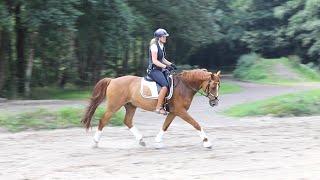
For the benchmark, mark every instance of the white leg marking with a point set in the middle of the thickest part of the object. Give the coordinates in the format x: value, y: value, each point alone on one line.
x: 136, y: 133
x: 96, y: 138
x: 203, y: 136
x: 159, y: 136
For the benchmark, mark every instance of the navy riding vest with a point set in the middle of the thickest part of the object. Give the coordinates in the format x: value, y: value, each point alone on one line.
x: 160, y: 56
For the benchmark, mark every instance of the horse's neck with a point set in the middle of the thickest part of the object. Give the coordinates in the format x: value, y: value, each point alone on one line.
x: 192, y: 87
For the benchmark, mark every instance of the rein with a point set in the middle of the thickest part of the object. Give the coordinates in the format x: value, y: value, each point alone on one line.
x: 207, y: 89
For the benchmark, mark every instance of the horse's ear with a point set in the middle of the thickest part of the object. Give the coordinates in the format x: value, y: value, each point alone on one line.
x: 218, y: 73
x: 212, y: 75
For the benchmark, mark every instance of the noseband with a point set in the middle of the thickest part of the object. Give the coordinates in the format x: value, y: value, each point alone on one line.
x: 207, y: 90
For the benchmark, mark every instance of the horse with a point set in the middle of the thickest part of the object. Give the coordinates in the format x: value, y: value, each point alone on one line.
x: 125, y: 91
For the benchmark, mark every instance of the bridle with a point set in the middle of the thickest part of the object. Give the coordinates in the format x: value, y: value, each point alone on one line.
x: 206, y: 91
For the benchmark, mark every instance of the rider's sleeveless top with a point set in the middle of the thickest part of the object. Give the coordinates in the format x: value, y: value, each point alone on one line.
x: 161, y: 54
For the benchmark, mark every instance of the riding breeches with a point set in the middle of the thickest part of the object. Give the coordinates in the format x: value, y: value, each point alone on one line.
x: 159, y: 77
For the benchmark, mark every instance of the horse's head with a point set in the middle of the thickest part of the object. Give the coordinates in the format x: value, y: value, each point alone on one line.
x: 211, y: 88
x: 203, y: 79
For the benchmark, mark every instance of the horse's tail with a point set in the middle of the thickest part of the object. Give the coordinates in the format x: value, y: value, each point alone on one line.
x: 98, y: 95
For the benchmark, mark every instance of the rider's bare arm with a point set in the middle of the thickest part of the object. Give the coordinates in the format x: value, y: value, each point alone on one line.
x: 154, y: 55
x: 165, y: 61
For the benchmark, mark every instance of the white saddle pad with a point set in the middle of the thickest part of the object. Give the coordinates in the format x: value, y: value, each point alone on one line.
x: 150, y: 89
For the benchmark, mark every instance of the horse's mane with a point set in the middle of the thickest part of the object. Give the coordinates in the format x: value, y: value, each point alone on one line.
x: 195, y: 75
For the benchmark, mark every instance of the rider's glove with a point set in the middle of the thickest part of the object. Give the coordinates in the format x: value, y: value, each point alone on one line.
x: 169, y: 68
x: 174, y: 67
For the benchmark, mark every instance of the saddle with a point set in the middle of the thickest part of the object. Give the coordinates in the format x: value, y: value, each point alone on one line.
x: 150, y: 89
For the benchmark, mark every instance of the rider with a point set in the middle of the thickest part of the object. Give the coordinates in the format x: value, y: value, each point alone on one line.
x: 158, y: 64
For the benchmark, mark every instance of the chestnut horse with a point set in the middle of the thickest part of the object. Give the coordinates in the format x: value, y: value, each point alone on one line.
x: 125, y: 91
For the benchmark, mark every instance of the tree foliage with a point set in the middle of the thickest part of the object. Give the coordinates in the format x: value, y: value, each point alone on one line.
x: 79, y: 41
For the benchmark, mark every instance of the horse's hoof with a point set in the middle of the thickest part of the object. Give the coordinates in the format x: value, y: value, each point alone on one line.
x: 158, y: 139
x: 142, y: 143
x: 159, y: 145
x: 207, y: 144
x: 94, y: 145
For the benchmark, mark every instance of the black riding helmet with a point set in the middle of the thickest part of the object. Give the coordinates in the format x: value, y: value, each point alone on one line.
x: 160, y: 32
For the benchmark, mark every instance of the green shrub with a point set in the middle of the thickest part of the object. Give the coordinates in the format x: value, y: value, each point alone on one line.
x: 297, y: 104
x: 309, y: 72
x: 62, y: 118
x: 58, y: 93
x: 252, y: 67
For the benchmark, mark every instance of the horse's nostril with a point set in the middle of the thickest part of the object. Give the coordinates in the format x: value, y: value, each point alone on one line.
x: 213, y: 102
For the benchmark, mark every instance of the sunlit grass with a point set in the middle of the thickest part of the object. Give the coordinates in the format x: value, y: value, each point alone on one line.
x: 58, y: 93
x: 297, y: 104
x: 254, y: 68
x: 306, y: 72
x: 228, y: 88
x: 225, y: 88
x: 85, y: 93
x: 45, y: 119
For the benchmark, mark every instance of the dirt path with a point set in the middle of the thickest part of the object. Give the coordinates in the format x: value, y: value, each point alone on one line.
x: 256, y: 148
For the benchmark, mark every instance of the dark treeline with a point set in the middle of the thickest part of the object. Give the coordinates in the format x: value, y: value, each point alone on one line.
x: 56, y: 42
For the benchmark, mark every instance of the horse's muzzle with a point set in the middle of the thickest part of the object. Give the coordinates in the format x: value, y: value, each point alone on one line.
x: 214, y: 102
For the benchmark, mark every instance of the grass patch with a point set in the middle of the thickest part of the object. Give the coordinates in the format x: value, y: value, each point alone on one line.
x: 45, y: 119
x: 307, y: 73
x: 298, y: 104
x: 227, y: 88
x: 58, y: 93
x: 85, y: 93
x: 252, y: 67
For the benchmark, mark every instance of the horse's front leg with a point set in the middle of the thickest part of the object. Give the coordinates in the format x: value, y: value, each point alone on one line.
x: 185, y: 116
x: 164, y: 127
x: 130, y: 111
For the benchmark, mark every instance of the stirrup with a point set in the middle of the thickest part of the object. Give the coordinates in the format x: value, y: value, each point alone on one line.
x: 161, y: 111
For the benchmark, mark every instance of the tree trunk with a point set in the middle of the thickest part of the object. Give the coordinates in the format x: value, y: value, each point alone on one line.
x: 12, y: 79
x: 80, y: 54
x: 99, y: 66
x: 20, y: 35
x: 2, y: 62
x: 29, y: 66
x: 117, y: 56
x: 125, y: 59
x: 135, y: 57
x: 93, y: 60
x: 143, y: 59
x: 62, y: 79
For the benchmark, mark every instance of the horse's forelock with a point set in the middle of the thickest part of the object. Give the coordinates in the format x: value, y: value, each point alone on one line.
x: 215, y: 77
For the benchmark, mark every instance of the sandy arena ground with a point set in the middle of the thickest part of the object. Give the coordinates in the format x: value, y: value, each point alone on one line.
x: 251, y: 148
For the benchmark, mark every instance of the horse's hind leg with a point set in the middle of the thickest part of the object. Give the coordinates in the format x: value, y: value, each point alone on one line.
x: 130, y: 111
x: 104, y: 121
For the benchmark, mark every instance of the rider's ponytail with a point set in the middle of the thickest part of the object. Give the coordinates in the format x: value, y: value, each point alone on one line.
x: 153, y: 41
